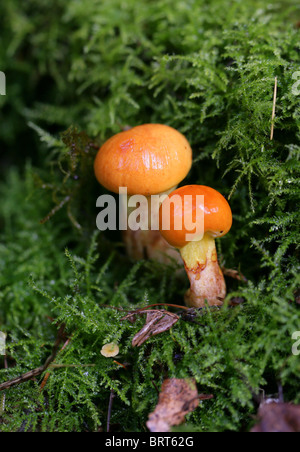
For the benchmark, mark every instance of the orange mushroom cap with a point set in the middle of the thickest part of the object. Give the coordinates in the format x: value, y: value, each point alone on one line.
x: 147, y: 160
x: 216, y: 210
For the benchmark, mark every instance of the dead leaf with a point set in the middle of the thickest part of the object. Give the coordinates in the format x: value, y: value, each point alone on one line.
x: 157, y: 321
x: 236, y: 301
x: 278, y: 418
x: 190, y: 316
x: 177, y: 398
x: 235, y: 274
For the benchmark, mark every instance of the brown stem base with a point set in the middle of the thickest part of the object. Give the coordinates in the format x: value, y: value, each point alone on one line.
x: 207, y: 285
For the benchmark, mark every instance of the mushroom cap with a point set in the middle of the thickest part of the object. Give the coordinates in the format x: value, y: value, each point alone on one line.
x: 110, y: 350
x: 147, y: 160
x: 216, y: 210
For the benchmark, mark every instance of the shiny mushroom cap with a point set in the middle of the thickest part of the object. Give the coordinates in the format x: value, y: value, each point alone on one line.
x: 147, y: 160
x: 211, y: 206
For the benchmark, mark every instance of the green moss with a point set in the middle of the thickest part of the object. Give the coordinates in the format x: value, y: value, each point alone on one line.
x: 89, y: 68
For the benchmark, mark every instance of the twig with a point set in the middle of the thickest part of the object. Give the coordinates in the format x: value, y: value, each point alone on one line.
x: 48, y: 373
x: 120, y: 364
x: 274, y: 108
x: 162, y: 304
x: 111, y: 398
x: 145, y: 307
x: 199, y: 397
x: 155, y: 386
x: 153, y: 311
x: 205, y: 396
x: 55, y: 209
x: 39, y: 370
x: 3, y: 398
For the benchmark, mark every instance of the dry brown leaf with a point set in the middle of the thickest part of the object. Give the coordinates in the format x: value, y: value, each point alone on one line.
x: 177, y: 398
x: 157, y: 321
x: 236, y: 301
x: 278, y: 418
x: 235, y: 274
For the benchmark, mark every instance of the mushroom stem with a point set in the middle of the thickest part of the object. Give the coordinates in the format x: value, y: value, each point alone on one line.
x: 203, y: 270
x: 147, y: 242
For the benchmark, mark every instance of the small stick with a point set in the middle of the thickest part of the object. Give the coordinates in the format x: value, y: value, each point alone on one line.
x: 163, y: 304
x: 22, y: 378
x: 55, y: 209
x: 162, y: 313
x: 43, y: 384
x: 3, y: 398
x: 145, y: 307
x: 205, y: 396
x: 111, y: 398
x: 39, y: 370
x: 120, y: 364
x: 274, y: 108
x: 155, y: 386
x: 45, y: 379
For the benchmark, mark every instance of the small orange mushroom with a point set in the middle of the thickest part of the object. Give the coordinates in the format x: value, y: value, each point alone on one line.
x: 151, y: 159
x: 213, y: 213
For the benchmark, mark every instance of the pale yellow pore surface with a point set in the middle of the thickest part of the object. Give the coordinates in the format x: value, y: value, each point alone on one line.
x: 196, y: 254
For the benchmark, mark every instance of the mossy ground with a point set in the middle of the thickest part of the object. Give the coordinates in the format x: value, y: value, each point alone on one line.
x: 90, y: 68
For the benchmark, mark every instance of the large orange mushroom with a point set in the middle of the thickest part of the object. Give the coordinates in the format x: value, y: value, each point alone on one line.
x: 209, y: 216
x: 151, y: 159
